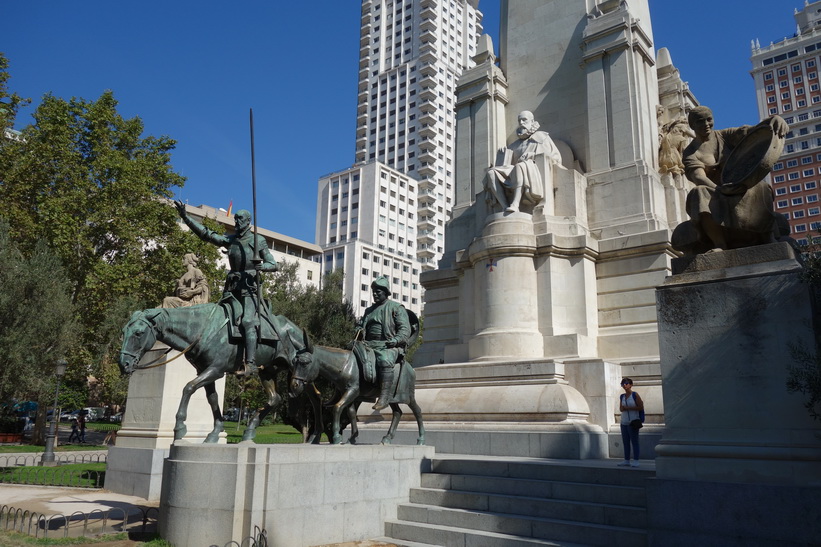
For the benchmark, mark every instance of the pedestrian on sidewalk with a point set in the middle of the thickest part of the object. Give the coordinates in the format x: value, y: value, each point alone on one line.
x: 82, y: 421
x: 632, y: 411
x: 75, y: 431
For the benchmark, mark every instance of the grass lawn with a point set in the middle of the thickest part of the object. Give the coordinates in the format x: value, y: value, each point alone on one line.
x: 82, y: 475
x: 266, y: 434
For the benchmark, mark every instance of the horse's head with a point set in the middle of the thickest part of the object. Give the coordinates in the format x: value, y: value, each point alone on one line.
x: 303, y: 369
x: 139, y: 336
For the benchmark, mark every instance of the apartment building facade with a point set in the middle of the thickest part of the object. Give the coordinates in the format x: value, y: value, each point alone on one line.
x: 787, y: 83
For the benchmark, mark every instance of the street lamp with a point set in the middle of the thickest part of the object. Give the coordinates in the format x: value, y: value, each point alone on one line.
x: 48, y: 456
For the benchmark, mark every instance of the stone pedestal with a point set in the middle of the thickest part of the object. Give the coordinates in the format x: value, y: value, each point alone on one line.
x: 734, y: 436
x: 300, y: 494
x: 725, y: 326
x: 135, y: 462
x: 528, y: 408
x: 504, y: 289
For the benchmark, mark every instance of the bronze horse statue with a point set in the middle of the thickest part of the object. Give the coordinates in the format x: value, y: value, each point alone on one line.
x: 201, y: 332
x: 340, y: 368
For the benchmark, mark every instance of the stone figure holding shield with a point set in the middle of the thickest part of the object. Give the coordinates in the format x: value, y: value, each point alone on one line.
x: 731, y: 205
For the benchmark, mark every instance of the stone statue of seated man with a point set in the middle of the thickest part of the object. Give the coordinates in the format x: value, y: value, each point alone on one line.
x: 517, y: 178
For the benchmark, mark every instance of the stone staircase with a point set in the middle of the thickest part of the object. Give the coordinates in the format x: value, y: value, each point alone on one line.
x: 472, y: 501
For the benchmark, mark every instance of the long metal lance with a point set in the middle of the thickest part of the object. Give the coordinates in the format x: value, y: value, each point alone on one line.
x: 256, y: 258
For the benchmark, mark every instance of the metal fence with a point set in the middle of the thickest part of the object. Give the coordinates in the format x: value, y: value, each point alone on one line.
x: 134, y: 520
x: 259, y: 539
x: 20, y: 460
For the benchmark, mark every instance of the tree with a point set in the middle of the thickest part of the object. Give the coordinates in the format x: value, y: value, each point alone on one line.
x: 323, y: 311
x: 38, y: 322
x: 86, y: 181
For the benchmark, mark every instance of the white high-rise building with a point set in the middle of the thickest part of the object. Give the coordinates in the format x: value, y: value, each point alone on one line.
x: 412, y: 53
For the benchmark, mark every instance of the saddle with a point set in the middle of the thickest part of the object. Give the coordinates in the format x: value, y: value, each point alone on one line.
x: 268, y: 332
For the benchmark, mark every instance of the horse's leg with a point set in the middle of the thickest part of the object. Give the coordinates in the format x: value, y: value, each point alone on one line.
x: 273, y: 402
x: 417, y: 413
x: 352, y: 409
x: 316, y: 405
x: 346, y: 399
x: 397, y: 415
x: 209, y: 376
x: 214, y: 400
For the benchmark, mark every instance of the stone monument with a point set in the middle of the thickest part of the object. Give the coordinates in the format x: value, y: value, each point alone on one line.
x: 534, y: 314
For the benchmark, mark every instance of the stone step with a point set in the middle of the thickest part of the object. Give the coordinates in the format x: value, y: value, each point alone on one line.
x: 463, y: 528
x: 449, y: 536
x: 577, y: 511
x: 549, y: 470
x: 634, y: 496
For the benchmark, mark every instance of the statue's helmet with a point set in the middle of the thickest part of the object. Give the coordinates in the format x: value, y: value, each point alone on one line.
x: 382, y: 283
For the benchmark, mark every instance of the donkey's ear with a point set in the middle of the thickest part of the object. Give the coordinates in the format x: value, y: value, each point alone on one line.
x: 306, y: 340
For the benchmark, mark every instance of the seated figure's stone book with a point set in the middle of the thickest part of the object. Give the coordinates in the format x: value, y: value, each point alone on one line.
x: 504, y: 157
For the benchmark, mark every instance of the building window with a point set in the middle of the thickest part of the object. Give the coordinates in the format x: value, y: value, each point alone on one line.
x: 809, y: 185
x: 782, y: 203
x: 797, y: 201
x: 812, y: 198
x: 780, y: 191
x: 800, y: 227
x: 813, y: 211
x: 795, y: 188
x: 798, y: 214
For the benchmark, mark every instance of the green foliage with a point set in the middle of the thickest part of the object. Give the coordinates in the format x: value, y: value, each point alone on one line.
x: 805, y: 378
x: 804, y: 375
x: 38, y: 322
x: 323, y: 312
x: 90, y: 184
x: 9, y: 102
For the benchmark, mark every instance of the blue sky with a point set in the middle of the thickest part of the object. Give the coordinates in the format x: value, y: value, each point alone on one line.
x: 191, y: 70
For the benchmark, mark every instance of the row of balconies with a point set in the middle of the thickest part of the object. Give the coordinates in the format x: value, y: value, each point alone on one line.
x: 427, y: 183
x: 426, y: 223
x: 426, y: 237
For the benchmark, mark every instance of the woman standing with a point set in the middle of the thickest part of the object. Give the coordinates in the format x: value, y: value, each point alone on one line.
x: 630, y: 405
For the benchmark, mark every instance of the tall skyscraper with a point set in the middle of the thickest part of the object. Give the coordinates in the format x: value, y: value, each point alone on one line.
x: 394, y: 201
x: 787, y: 84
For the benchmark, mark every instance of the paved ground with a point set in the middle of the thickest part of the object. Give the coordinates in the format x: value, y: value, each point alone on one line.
x: 53, y: 500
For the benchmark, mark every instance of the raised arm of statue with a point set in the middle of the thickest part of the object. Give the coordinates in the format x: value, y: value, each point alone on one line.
x: 202, y: 232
